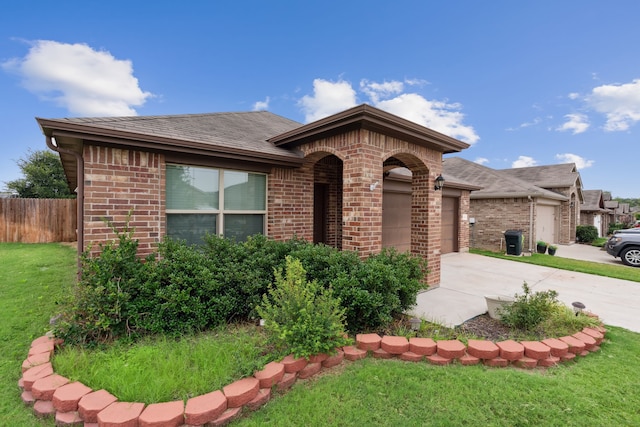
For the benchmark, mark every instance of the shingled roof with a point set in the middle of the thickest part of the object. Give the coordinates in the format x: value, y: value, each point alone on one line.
x: 549, y: 176
x: 494, y: 183
x: 593, y: 201
x: 240, y: 134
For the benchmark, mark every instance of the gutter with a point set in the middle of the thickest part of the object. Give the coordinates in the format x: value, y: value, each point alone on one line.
x: 79, y: 198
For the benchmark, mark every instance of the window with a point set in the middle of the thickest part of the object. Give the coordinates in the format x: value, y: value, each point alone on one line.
x: 205, y: 200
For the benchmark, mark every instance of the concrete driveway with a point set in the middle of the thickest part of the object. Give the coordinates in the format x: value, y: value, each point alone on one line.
x: 466, y: 278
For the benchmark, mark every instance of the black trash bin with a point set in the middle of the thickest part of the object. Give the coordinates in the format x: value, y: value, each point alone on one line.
x: 513, y: 239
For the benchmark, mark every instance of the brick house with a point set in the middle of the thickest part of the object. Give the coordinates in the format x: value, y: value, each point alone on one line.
x: 543, y: 202
x: 237, y: 174
x: 593, y: 211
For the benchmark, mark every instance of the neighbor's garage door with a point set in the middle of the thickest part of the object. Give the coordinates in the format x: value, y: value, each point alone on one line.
x: 449, y: 225
x: 546, y: 223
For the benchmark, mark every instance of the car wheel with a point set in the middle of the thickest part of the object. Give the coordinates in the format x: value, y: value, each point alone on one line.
x: 631, y: 257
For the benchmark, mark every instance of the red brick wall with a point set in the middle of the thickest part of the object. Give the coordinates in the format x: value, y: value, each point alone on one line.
x: 363, y: 155
x: 118, y: 182
x: 494, y: 217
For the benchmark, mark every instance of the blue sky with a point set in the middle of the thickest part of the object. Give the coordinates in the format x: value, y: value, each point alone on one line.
x: 525, y: 82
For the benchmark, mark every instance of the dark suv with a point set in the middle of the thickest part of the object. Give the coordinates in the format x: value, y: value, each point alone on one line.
x: 626, y: 245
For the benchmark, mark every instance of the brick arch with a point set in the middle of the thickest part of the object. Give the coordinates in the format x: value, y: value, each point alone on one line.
x: 426, y: 204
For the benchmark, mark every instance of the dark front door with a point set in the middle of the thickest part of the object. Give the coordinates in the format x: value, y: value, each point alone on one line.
x: 320, y: 204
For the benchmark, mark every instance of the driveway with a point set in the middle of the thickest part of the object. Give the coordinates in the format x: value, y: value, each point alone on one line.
x: 466, y: 278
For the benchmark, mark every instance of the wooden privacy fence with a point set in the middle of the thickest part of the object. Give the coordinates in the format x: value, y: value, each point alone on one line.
x: 38, y: 220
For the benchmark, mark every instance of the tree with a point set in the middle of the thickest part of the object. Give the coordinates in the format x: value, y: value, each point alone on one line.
x: 43, y: 177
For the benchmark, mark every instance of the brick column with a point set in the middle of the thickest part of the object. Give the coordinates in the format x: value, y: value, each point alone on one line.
x: 362, y: 205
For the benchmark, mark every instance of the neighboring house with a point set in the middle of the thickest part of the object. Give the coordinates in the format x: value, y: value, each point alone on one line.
x: 593, y: 211
x: 236, y: 174
x: 525, y: 199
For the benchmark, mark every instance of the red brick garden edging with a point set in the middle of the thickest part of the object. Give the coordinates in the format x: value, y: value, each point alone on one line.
x: 74, y: 404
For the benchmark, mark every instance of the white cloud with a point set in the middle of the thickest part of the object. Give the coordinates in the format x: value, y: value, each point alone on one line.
x: 85, y: 81
x: 573, y: 95
x: 577, y: 123
x: 261, y: 105
x: 580, y: 162
x: 375, y: 91
x: 619, y: 103
x: 481, y: 160
x: 534, y: 122
x: 523, y: 162
x: 328, y: 98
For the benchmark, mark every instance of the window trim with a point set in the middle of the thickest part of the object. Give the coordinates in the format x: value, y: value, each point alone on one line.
x: 221, y: 211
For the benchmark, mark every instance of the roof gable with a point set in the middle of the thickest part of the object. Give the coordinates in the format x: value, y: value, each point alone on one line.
x: 367, y: 117
x: 593, y: 200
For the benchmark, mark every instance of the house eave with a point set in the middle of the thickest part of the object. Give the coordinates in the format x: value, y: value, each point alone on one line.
x: 123, y: 139
x: 517, y: 195
x: 373, y: 119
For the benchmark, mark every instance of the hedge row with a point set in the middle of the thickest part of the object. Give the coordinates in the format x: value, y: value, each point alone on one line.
x: 182, y: 289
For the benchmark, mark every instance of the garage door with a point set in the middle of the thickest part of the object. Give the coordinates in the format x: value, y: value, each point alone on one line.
x: 449, y: 225
x: 546, y: 223
x: 396, y: 220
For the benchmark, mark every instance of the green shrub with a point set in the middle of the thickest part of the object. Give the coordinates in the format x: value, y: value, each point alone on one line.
x: 104, y: 304
x: 300, y: 316
x: 373, y: 291
x: 183, y: 289
x: 529, y: 309
x: 586, y: 233
x: 615, y: 226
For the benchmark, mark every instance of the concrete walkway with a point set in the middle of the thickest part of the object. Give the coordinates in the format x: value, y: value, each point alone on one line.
x: 466, y: 278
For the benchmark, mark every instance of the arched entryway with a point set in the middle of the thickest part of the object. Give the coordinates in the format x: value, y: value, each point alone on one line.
x: 327, y: 200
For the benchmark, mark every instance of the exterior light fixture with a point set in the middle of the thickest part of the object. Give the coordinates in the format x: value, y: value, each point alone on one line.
x: 374, y: 186
x: 439, y: 183
x: 415, y: 323
x: 572, y: 204
x: 578, y: 307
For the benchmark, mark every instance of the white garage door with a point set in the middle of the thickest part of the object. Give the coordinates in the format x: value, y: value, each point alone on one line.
x: 546, y: 223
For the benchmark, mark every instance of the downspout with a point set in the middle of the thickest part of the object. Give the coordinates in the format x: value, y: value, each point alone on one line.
x: 530, y: 224
x: 79, y: 198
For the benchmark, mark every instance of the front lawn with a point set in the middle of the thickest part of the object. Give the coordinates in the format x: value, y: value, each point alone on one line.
x: 608, y: 270
x: 600, y: 389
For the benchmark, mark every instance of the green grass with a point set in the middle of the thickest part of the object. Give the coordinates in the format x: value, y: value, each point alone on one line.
x: 600, y: 389
x: 33, y: 278
x: 162, y: 369
x: 614, y: 271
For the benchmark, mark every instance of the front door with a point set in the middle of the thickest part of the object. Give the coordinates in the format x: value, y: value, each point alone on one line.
x: 320, y: 204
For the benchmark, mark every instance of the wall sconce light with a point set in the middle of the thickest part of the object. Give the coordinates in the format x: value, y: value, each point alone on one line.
x: 578, y: 307
x: 374, y: 186
x: 439, y: 183
x: 572, y: 204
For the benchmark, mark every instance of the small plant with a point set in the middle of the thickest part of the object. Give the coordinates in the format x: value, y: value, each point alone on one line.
x: 529, y: 309
x: 541, y: 246
x: 301, y: 317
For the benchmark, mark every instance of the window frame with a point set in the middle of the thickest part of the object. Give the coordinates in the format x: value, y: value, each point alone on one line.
x: 220, y: 212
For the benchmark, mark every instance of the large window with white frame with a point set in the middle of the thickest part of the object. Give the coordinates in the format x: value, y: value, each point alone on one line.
x: 202, y: 200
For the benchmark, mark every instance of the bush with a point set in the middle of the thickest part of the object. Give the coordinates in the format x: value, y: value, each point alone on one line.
x: 529, y: 309
x: 183, y: 289
x: 615, y: 226
x: 586, y: 233
x: 104, y: 305
x: 300, y: 316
